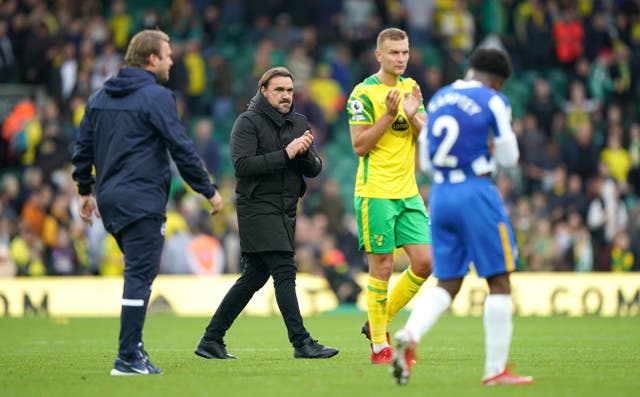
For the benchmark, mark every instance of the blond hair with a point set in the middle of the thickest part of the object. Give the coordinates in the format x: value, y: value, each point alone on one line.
x: 142, y: 45
x: 391, y: 34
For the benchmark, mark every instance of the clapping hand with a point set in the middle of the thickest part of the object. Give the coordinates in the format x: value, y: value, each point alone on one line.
x: 412, y: 102
x: 299, y: 145
x: 392, y: 101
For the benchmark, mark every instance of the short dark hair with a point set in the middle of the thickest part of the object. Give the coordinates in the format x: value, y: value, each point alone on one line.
x: 273, y: 72
x: 142, y: 45
x: 491, y: 60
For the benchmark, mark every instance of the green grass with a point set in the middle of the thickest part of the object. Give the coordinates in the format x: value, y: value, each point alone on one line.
x: 587, y: 356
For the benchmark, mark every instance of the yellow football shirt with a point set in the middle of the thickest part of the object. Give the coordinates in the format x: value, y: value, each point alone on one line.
x: 388, y: 170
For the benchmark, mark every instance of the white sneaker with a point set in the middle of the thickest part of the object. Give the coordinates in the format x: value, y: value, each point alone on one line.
x: 404, y: 356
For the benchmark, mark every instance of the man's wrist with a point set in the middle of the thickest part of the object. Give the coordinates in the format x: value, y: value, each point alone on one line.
x: 84, y: 190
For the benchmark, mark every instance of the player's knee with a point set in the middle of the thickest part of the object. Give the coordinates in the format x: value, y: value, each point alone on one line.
x: 422, y: 266
x: 499, y: 284
x: 451, y: 286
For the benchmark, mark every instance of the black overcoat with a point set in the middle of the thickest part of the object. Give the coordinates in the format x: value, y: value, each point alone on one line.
x: 269, y: 185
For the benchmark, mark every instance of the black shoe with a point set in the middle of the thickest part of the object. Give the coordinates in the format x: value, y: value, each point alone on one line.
x: 212, y: 349
x: 366, y: 331
x: 310, y: 348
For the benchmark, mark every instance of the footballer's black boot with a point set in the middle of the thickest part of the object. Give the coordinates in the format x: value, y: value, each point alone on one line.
x: 212, y: 349
x: 310, y: 348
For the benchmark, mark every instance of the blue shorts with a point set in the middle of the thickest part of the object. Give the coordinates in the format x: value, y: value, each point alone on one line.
x: 469, y: 224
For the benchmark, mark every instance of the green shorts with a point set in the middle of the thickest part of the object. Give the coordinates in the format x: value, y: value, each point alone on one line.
x: 384, y: 224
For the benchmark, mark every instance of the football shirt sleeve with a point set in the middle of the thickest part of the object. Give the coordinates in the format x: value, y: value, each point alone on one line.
x: 505, y: 143
x: 360, y: 108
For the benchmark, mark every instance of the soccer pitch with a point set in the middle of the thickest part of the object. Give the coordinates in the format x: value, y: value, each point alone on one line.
x: 568, y: 356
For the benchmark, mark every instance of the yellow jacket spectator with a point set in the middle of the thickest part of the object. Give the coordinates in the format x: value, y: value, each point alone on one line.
x: 327, y: 93
x: 615, y: 156
x: 57, y: 217
x: 196, y: 69
x: 26, y: 252
x: 120, y: 24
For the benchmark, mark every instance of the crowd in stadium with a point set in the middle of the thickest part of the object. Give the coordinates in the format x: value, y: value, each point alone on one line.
x: 575, y: 96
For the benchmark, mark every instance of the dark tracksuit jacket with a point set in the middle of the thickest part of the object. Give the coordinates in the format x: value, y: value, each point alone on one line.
x: 128, y: 131
x: 129, y: 128
x: 268, y: 183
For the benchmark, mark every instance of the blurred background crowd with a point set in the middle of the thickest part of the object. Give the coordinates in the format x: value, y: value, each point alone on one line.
x: 575, y: 97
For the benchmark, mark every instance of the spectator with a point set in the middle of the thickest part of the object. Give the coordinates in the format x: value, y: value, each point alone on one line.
x: 196, y: 77
x: 615, y: 156
x: 601, y: 84
x: 121, y: 24
x: 9, y: 197
x: 340, y: 68
x: 579, y: 108
x: 306, y: 105
x: 7, y: 57
x: 221, y: 79
x: 8, y: 268
x: 568, y: 35
x: 27, y: 252
x: 63, y: 257
x: 596, y: 34
x: 68, y: 72
x: 420, y: 16
x: 581, y: 249
x: 338, y: 273
x: 634, y: 156
x: 579, y: 152
x: 331, y: 206
x: 622, y: 258
x: 106, y: 65
x: 457, y: 27
x: 533, y: 31
x: 326, y: 92
x: 543, y: 106
x: 606, y: 216
x: 207, y: 145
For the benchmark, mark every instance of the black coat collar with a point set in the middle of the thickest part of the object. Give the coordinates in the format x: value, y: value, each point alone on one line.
x: 260, y: 105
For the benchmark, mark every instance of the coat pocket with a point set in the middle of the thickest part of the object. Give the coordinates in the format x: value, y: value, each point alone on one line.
x: 247, y: 188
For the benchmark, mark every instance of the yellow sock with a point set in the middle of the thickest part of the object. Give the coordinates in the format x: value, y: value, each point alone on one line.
x: 377, y: 309
x: 406, y: 288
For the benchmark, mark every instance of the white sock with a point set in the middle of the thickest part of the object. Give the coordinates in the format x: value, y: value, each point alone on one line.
x: 428, y: 308
x: 497, y: 333
x: 378, y: 348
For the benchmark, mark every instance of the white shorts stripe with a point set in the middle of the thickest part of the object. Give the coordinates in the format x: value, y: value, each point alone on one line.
x: 133, y: 302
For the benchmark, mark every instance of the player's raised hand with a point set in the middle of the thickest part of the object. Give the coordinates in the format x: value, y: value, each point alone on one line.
x: 392, y: 101
x: 412, y: 101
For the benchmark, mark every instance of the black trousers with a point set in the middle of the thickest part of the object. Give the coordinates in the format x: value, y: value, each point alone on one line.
x: 141, y: 242
x: 257, y: 267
